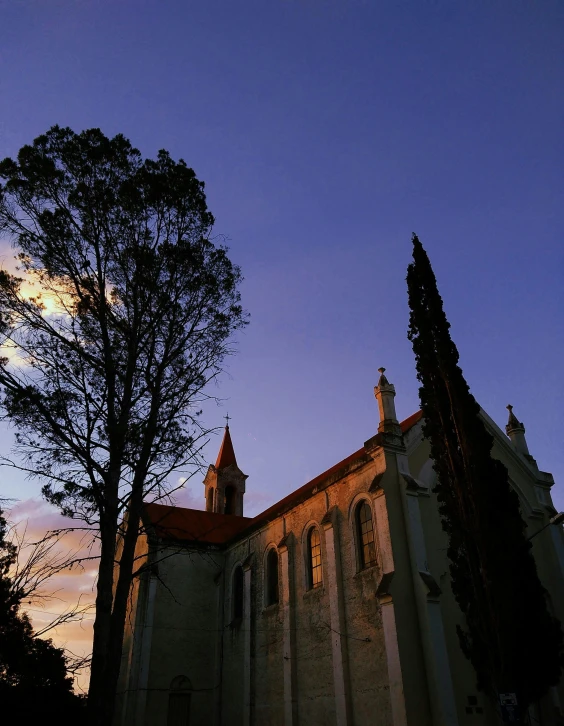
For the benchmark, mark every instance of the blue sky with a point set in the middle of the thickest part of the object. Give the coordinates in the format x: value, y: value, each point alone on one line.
x: 327, y: 131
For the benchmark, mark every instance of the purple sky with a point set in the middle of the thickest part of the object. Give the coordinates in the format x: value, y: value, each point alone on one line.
x: 327, y: 131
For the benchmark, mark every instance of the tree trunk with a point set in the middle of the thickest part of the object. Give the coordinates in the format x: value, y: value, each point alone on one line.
x: 105, y: 686
x: 102, y: 625
x: 119, y: 612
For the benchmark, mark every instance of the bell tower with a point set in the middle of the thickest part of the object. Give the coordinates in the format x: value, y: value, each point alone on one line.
x: 225, y: 482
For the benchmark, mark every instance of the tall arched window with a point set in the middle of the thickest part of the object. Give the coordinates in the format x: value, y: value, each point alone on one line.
x: 272, y: 577
x: 238, y: 593
x: 314, y: 557
x: 230, y: 494
x: 209, y: 506
x: 179, y: 702
x: 365, y: 533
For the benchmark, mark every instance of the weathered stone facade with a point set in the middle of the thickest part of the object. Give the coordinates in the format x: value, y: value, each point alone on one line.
x: 211, y: 644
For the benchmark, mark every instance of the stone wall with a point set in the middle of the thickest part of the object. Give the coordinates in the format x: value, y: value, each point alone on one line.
x: 375, y: 645
x: 303, y: 679
x: 182, y: 628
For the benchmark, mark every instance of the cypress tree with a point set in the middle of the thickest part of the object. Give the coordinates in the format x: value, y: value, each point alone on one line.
x: 512, y: 641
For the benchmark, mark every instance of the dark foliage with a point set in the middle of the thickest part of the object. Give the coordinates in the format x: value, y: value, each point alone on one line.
x: 132, y: 320
x: 34, y: 683
x: 512, y: 641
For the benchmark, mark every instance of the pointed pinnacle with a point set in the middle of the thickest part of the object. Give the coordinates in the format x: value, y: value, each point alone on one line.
x: 513, y: 422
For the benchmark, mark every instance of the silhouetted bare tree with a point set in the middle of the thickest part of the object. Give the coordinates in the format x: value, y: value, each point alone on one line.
x: 113, y: 356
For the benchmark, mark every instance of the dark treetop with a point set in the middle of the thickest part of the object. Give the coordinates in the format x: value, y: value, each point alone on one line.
x: 513, y: 642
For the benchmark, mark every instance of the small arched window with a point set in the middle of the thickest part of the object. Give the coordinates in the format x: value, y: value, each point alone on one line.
x: 179, y: 702
x: 230, y: 500
x: 272, y: 577
x: 314, y: 557
x: 209, y: 506
x: 365, y: 533
x: 238, y: 593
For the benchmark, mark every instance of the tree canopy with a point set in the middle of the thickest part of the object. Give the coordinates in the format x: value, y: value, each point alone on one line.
x: 511, y: 639
x: 113, y: 355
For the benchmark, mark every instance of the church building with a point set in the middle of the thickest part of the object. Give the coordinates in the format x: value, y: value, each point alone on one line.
x: 332, y: 607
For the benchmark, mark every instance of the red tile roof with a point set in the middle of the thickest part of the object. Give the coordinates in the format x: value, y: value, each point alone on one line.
x: 305, y: 491
x: 410, y: 422
x: 194, y: 525
x: 226, y: 454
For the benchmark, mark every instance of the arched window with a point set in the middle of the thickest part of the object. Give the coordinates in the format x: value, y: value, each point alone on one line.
x: 314, y: 557
x: 238, y: 593
x: 272, y: 577
x: 365, y: 533
x: 209, y: 506
x: 179, y: 702
x: 230, y: 493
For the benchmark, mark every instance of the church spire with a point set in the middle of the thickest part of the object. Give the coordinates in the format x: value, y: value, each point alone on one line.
x: 225, y: 482
x: 226, y: 455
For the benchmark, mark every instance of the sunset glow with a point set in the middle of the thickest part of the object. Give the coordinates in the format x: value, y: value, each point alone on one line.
x: 326, y: 133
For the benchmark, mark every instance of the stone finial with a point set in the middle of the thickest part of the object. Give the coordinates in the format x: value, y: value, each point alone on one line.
x: 385, y: 393
x: 513, y: 423
x: 516, y: 432
x: 383, y: 381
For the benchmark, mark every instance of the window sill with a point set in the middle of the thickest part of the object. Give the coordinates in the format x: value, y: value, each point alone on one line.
x: 314, y: 592
x: 371, y: 569
x: 269, y: 609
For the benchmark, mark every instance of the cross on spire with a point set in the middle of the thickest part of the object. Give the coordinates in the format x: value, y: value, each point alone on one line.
x: 227, y: 417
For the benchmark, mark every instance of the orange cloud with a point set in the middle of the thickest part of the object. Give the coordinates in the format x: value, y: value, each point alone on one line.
x: 77, y: 584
